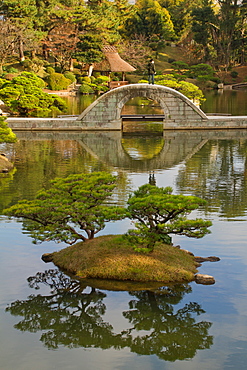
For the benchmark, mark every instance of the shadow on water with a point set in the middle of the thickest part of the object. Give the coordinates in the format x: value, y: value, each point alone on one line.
x: 72, y: 315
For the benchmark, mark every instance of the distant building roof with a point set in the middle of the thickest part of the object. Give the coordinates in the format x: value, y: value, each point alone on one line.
x: 116, y: 63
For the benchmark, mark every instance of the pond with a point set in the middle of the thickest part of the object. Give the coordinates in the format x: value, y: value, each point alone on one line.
x: 50, y: 321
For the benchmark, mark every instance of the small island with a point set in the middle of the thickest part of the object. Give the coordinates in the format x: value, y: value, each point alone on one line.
x: 74, y: 209
x: 113, y: 257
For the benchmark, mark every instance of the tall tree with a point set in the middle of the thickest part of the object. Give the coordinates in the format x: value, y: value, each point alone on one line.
x: 150, y: 19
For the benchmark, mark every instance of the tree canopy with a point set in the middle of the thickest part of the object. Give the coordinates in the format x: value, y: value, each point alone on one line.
x: 159, y: 214
x: 77, y: 207
x: 73, y: 208
x: 213, y: 32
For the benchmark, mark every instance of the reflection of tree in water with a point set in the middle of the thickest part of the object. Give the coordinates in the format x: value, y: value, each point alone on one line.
x: 217, y: 173
x: 72, y: 316
x: 171, y: 335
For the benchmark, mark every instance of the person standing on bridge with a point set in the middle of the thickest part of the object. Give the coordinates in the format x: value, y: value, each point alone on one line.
x: 151, y: 71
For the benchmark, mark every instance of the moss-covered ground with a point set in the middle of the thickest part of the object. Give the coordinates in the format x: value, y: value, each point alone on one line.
x: 111, y: 257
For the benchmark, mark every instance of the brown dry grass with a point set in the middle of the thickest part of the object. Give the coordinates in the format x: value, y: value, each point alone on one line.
x: 110, y: 257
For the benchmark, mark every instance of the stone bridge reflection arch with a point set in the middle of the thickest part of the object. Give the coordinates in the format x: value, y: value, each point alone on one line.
x: 105, y: 112
x: 108, y: 148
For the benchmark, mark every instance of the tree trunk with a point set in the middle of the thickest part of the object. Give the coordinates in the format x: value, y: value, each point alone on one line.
x: 21, y: 51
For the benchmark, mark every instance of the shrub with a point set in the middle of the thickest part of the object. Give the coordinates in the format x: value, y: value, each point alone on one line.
x: 86, y: 79
x: 170, y: 83
x: 6, y: 134
x: 201, y: 69
x: 188, y: 89
x: 165, y: 77
x: 179, y: 65
x: 70, y: 76
x: 102, y: 79
x: 11, y: 69
x: 191, y: 91
x: 29, y: 78
x: 102, y: 88
x: 204, y: 78
x: 57, y: 81
x: 234, y: 74
x: 86, y: 89
x: 50, y: 70
x: 27, y: 99
x: 2, y: 82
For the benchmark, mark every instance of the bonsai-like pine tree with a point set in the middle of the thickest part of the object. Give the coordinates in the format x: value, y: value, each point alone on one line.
x: 159, y: 213
x: 6, y: 134
x: 72, y: 209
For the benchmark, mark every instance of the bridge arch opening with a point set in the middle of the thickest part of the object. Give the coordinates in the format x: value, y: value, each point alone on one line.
x: 139, y: 115
x: 140, y: 105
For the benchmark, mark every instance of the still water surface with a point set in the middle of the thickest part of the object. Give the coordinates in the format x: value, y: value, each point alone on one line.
x: 49, y: 321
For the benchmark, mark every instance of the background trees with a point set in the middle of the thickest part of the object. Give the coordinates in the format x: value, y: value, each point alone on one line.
x: 66, y: 31
x: 150, y: 19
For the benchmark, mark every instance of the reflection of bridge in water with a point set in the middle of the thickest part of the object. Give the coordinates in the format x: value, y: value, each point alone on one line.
x: 107, y: 147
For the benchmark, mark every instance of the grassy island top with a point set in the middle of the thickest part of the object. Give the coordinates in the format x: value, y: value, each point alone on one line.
x: 112, y: 257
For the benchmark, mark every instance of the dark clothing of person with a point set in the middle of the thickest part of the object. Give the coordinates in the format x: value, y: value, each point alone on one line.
x: 151, y: 72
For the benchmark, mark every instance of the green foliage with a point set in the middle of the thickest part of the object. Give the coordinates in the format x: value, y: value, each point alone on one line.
x: 159, y: 213
x: 180, y: 66
x: 201, y: 69
x: 28, y: 78
x: 24, y: 96
x: 86, y: 89
x: 50, y: 70
x: 91, y: 85
x: 234, y: 74
x: 10, y: 69
x: 57, y: 81
x: 150, y: 19
x: 74, y: 208
x: 2, y: 82
x: 69, y: 75
x: 102, y: 80
x: 6, y: 134
x: 188, y: 89
x: 86, y: 79
x: 191, y: 91
x: 89, y: 48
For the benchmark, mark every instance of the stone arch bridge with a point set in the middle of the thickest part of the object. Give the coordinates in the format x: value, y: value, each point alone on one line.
x: 105, y: 112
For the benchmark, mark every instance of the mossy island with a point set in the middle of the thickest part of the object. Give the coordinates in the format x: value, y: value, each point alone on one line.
x: 74, y: 209
x: 112, y: 257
